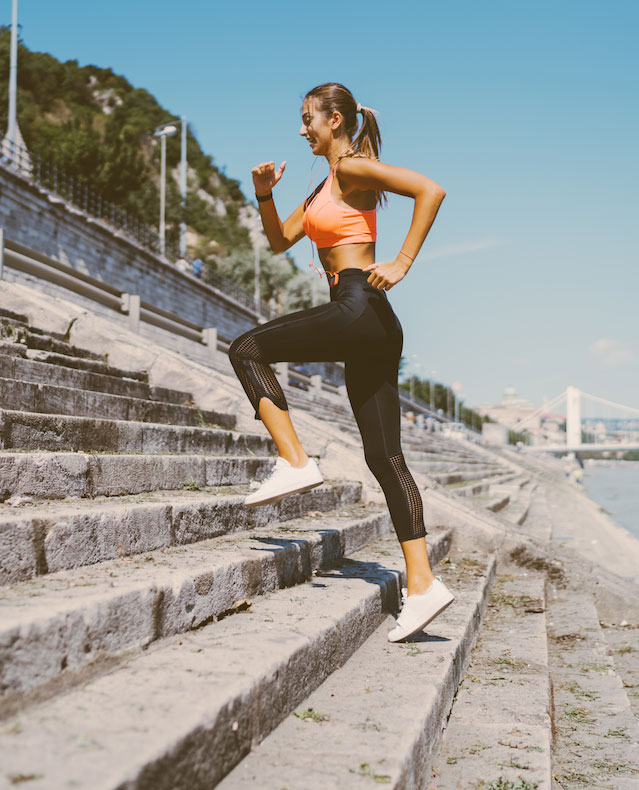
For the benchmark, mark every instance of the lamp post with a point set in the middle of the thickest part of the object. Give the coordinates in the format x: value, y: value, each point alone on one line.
x: 183, y: 189
x: 456, y: 387
x: 164, y: 131
x: 13, y: 79
x: 432, y: 390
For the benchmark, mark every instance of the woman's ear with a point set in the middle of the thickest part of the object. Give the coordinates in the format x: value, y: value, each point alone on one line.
x: 337, y: 121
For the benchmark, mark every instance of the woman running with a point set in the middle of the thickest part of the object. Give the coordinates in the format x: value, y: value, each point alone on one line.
x: 358, y: 325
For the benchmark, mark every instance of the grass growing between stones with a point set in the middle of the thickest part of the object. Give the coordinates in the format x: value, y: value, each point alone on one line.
x: 365, y: 770
x: 579, y: 715
x: 576, y: 689
x: 507, y: 784
x: 17, y: 779
x: 312, y: 715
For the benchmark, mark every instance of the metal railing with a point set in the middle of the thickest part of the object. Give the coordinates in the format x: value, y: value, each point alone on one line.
x: 76, y: 190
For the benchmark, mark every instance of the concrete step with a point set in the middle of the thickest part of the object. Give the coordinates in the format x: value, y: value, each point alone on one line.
x: 431, y: 467
x: 378, y: 719
x: 181, y: 714
x: 36, y: 539
x: 596, y: 737
x: 12, y: 367
x: 20, y: 430
x: 51, y: 399
x: 623, y: 646
x: 17, y: 330
x: 60, y: 624
x: 491, y: 502
x: 518, y: 502
x: 18, y: 318
x: 483, y: 473
x: 499, y: 730
x: 60, y: 475
x: 443, y: 456
x: 486, y: 485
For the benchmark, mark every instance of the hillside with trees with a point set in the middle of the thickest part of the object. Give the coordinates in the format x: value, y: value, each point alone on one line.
x: 96, y: 127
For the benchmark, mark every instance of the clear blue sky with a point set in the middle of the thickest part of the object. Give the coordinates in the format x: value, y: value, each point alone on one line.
x: 525, y: 112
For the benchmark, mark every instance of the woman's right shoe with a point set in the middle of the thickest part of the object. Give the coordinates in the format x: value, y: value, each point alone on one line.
x: 284, y: 480
x: 419, y: 610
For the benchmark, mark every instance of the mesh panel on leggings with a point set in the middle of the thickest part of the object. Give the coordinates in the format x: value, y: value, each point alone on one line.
x: 255, y: 375
x: 413, y: 497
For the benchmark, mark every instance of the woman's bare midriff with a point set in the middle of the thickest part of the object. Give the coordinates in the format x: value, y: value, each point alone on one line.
x: 347, y: 256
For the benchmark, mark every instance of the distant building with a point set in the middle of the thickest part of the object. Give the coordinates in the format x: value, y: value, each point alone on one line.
x: 512, y: 411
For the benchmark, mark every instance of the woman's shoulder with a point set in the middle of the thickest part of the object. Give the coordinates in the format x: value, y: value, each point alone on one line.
x: 349, y: 166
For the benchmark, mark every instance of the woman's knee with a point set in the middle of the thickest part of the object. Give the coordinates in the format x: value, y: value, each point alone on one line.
x: 243, y: 347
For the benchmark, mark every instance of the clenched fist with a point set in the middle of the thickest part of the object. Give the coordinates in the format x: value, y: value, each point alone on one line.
x: 265, y: 176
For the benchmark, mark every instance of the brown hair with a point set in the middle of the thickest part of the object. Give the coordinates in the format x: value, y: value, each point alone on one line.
x: 333, y: 97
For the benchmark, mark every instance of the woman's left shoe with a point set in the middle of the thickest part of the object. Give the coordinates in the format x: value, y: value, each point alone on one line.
x: 419, y: 610
x: 284, y: 480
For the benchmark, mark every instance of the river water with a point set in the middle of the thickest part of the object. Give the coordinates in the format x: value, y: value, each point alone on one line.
x: 615, y: 486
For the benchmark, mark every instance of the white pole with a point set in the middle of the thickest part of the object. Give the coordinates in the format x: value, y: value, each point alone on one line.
x: 183, y: 190
x: 162, y: 193
x: 13, y: 81
x: 573, y: 417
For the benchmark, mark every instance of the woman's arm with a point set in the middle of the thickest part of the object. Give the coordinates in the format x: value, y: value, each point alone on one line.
x: 280, y: 235
x: 362, y: 173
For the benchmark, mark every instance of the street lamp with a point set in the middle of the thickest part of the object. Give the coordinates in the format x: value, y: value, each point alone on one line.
x: 431, y: 389
x: 164, y: 131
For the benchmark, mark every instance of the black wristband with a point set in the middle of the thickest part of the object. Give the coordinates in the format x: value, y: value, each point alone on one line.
x: 264, y: 198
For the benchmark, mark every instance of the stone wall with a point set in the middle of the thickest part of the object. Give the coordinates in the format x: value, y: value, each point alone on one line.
x: 48, y: 225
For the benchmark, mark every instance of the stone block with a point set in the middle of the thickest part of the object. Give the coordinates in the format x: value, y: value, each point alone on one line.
x: 86, y: 537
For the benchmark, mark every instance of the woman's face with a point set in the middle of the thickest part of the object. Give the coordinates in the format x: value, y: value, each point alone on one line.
x: 316, y: 127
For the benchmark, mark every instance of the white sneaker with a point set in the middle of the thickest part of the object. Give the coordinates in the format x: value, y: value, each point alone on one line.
x: 284, y: 480
x: 419, y: 610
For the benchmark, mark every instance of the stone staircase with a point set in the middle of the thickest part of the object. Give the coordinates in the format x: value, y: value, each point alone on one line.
x: 156, y: 634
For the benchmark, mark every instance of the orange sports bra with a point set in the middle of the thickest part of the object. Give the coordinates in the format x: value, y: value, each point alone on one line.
x: 329, y: 224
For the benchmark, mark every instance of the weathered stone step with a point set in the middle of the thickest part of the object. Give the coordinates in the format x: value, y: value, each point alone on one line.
x: 518, y: 502
x: 623, y: 645
x: 79, y: 363
x: 60, y: 475
x: 25, y: 431
x: 50, y: 399
x: 499, y: 729
x: 440, y: 456
x: 596, y: 737
x: 31, y: 370
x: 18, y: 318
x: 181, y: 715
x: 494, y: 503
x: 31, y: 337
x: 484, y: 473
x: 430, y: 467
x: 378, y: 719
x: 479, y: 488
x: 40, y: 539
x: 57, y: 625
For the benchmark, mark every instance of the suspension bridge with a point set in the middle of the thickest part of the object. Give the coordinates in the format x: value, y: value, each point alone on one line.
x: 593, y: 424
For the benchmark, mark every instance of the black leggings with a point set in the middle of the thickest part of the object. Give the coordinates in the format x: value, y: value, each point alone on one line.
x: 359, y: 327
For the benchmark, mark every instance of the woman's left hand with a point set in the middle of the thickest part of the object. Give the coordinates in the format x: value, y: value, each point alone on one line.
x: 385, y: 275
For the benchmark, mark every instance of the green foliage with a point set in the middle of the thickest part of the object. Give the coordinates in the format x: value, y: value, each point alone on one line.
x: 518, y: 436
